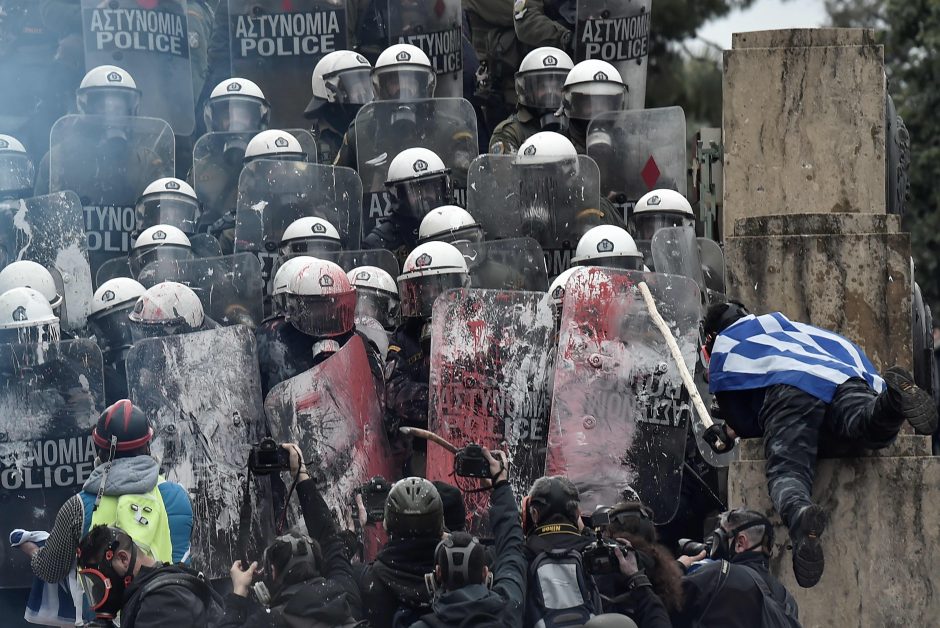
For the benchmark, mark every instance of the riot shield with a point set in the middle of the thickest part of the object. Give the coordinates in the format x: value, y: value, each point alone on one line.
x: 676, y: 252
x: 618, y: 32
x: 109, y: 162
x: 434, y: 26
x: 277, y: 44
x: 381, y: 258
x: 334, y: 413
x: 218, y: 159
x: 713, y: 269
x: 50, y: 231
x: 639, y: 151
x: 149, y: 39
x: 490, y: 370
x: 619, y: 411
x: 511, y: 264
x: 272, y: 194
x: 553, y: 203
x: 447, y: 126
x: 203, y: 245
x: 202, y: 394
x: 47, y: 412
x: 229, y: 287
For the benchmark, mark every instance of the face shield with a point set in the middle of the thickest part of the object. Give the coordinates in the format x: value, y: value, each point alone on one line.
x: 415, y: 198
x: 17, y: 176
x: 646, y: 224
x: 351, y: 87
x: 108, y: 101
x: 140, y: 258
x: 541, y: 91
x: 237, y: 114
x: 472, y: 234
x: 168, y: 208
x: 587, y: 100
x: 112, y: 330
x: 35, y: 336
x: 314, y: 247
x: 403, y: 82
x: 419, y: 293
x: 141, y: 330
x: 322, y: 316
x: 384, y: 307
x: 621, y: 262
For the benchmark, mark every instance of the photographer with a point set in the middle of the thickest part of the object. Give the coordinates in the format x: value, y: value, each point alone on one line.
x: 736, y: 588
x: 466, y: 592
x: 306, y: 581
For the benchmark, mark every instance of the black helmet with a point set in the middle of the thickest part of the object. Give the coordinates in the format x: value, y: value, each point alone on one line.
x: 294, y: 557
x: 125, y: 422
x: 414, y: 509
x: 719, y: 317
x: 461, y: 558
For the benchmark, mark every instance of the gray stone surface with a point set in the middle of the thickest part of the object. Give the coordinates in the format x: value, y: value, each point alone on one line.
x: 804, y: 37
x: 855, y: 285
x: 882, y: 546
x: 804, y: 131
x: 817, y: 224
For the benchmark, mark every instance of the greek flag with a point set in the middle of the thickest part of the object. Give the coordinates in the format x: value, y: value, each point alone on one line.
x: 760, y: 351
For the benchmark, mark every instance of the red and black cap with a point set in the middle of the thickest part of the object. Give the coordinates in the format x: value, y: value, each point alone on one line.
x: 127, y: 423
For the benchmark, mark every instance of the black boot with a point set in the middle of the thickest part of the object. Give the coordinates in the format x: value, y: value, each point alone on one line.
x: 808, y: 559
x: 904, y: 400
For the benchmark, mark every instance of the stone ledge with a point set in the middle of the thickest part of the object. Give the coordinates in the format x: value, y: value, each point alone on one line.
x: 906, y: 446
x: 816, y: 224
x: 805, y: 38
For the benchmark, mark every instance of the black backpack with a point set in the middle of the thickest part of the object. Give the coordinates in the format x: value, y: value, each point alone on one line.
x: 560, y: 594
x: 474, y: 620
x: 774, y: 613
x: 176, y: 575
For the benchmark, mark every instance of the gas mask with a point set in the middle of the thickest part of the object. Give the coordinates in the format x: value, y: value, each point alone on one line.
x: 103, y: 586
x: 722, y: 541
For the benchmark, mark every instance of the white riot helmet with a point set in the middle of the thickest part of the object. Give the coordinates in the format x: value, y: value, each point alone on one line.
x: 418, y: 181
x: 430, y: 269
x: 108, y: 91
x: 317, y: 86
x: 168, y: 201
x: 320, y: 300
x: 112, y: 302
x: 449, y: 223
x: 28, y: 274
x: 17, y: 175
x: 348, y: 81
x: 274, y: 144
x: 279, y: 286
x: 310, y: 235
x: 237, y: 105
x: 27, y: 318
x: 540, y: 80
x: 546, y: 147
x: 557, y: 290
x: 591, y: 88
x: 166, y: 309
x: 609, y: 246
x: 159, y: 243
x: 403, y: 72
x: 377, y: 295
x: 658, y: 209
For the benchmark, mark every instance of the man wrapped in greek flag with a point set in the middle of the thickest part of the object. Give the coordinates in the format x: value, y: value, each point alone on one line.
x: 802, y: 388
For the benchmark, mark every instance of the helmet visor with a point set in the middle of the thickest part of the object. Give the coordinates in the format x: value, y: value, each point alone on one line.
x: 236, y: 114
x: 322, y: 316
x: 380, y: 305
x: 589, y: 103
x: 472, y: 234
x: 417, y: 197
x: 168, y: 208
x: 314, y: 247
x: 112, y: 328
x: 17, y: 175
x: 140, y: 258
x: 398, y: 82
x: 623, y: 262
x: 419, y: 293
x: 142, y: 330
x: 109, y: 101
x: 352, y: 87
x: 541, y: 90
x: 646, y: 224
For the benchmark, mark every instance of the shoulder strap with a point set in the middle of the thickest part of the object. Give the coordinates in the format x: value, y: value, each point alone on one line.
x: 723, y: 571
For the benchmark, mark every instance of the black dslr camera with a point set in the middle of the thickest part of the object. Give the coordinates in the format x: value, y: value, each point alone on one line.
x: 470, y: 462
x: 268, y: 457
x: 374, y: 494
x: 599, y: 557
x: 688, y: 547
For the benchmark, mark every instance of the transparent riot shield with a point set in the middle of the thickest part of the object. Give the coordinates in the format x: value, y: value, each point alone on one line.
x: 676, y: 252
x: 447, y: 126
x: 50, y: 230
x: 511, y: 264
x: 553, y: 203
x: 380, y: 258
x: 218, y: 159
x: 434, y: 26
x: 108, y: 162
x: 490, y: 370
x: 272, y: 194
x: 49, y: 403
x: 203, y: 245
x: 713, y: 269
x: 333, y: 412
x: 639, y: 151
x: 277, y: 43
x: 618, y: 32
x: 149, y: 39
x: 229, y: 287
x: 202, y: 394
x: 619, y: 411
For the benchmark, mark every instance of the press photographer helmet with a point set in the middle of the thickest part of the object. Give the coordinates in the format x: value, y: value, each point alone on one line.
x: 290, y: 559
x: 414, y: 509
x: 459, y: 561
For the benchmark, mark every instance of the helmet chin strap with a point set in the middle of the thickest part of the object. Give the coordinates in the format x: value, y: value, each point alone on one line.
x: 104, y: 474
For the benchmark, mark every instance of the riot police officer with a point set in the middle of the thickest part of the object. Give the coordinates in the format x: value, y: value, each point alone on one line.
x: 341, y: 85
x: 236, y: 105
x: 608, y: 246
x: 108, y: 321
x: 592, y: 87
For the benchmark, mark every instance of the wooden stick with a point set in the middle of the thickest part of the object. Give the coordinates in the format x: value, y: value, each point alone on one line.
x: 428, y: 435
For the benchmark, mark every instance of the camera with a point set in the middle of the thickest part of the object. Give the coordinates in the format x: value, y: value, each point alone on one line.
x: 268, y: 457
x: 599, y: 558
x: 688, y: 547
x: 470, y: 462
x: 374, y: 494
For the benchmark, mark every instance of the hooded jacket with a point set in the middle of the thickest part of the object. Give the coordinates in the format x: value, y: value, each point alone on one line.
x: 170, y: 595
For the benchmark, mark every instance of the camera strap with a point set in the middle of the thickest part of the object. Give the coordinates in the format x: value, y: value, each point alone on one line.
x: 244, y: 521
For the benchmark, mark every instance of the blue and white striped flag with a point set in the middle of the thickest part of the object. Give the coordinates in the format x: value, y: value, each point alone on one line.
x: 760, y: 351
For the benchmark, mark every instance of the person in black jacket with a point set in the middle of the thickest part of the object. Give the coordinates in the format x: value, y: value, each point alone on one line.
x: 467, y: 592
x: 120, y: 577
x: 726, y: 592
x: 307, y: 579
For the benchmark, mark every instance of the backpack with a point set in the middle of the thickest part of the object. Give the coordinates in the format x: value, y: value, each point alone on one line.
x: 559, y: 592
x: 479, y: 619
x: 176, y: 575
x: 774, y: 613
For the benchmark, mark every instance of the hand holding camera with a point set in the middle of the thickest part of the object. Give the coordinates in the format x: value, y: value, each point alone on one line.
x: 242, y: 577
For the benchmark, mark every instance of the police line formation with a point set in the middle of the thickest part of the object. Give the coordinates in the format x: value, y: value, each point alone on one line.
x: 536, y: 330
